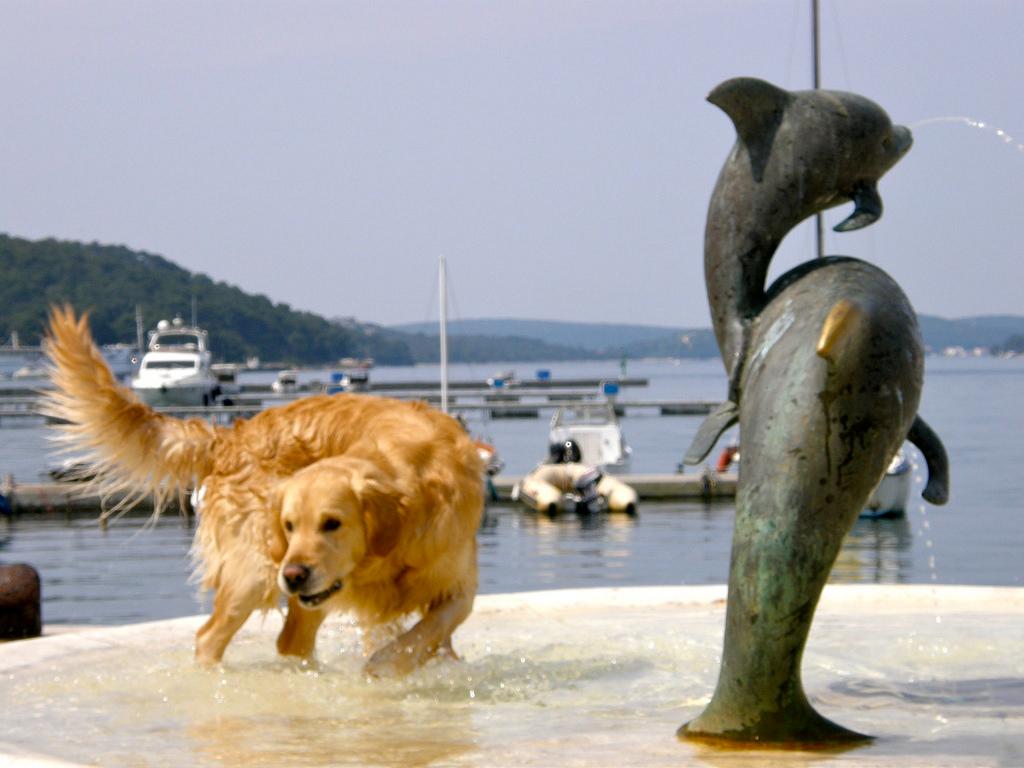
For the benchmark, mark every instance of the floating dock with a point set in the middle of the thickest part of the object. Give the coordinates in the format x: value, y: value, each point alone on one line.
x: 529, y: 399
x: 660, y: 487
x: 74, y: 498
x: 68, y: 499
x: 508, y: 407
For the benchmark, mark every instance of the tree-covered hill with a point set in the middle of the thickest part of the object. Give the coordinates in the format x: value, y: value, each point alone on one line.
x: 110, y: 281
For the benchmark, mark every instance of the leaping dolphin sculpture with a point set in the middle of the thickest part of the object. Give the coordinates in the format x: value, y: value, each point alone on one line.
x: 796, y: 153
x: 826, y: 370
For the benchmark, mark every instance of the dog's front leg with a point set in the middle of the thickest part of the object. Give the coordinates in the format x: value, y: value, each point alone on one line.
x: 231, y: 608
x: 298, y: 636
x: 431, y: 633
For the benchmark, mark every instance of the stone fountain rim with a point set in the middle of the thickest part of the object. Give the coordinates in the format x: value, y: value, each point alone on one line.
x: 837, y: 599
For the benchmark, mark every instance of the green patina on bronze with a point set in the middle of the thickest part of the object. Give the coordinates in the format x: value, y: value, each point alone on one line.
x: 826, y: 370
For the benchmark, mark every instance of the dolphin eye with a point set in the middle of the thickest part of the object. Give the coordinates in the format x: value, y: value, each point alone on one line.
x: 330, y: 524
x: 288, y: 525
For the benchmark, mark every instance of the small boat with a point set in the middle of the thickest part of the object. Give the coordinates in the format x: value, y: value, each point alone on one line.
x: 502, y: 379
x: 286, y: 383
x: 348, y: 381
x: 31, y: 371
x: 889, y: 499
x: 489, y: 456
x: 357, y: 379
x: 228, y: 387
x: 122, y: 359
x: 356, y: 363
x: 14, y: 357
x: 492, y: 465
x: 175, y: 370
x: 594, y: 427
x: 72, y: 470
x: 574, y: 487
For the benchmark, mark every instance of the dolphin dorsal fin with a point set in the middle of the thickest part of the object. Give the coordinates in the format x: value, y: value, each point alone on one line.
x: 755, y: 108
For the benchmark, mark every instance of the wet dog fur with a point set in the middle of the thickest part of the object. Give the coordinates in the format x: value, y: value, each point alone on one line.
x: 343, y: 502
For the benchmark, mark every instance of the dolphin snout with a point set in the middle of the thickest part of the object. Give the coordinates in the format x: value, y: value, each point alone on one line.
x: 902, y: 140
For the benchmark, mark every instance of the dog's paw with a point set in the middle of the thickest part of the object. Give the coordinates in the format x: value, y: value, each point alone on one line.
x: 391, y: 661
x: 209, y: 665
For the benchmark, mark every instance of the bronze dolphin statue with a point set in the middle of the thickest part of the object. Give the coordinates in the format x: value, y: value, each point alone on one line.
x: 826, y: 367
x: 831, y: 388
x: 796, y: 153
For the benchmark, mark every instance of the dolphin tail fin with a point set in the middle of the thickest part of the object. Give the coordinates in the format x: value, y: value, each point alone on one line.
x: 719, y: 420
x: 936, y: 490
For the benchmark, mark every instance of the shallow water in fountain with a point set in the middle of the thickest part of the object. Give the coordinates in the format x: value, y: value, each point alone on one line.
x: 585, y: 677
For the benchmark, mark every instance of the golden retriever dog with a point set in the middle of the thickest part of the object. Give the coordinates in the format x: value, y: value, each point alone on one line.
x: 341, y: 502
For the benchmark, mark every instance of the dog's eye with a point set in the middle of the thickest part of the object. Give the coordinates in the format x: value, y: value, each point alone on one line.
x: 288, y: 525
x: 331, y: 524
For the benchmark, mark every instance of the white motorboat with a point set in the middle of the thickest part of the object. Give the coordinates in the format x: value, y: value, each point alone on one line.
x: 175, y: 370
x: 595, y: 429
x: 348, y: 381
x: 228, y: 387
x: 889, y: 499
x: 286, y: 383
x: 14, y: 357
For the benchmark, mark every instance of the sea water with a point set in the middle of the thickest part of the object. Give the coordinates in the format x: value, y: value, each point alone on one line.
x: 133, y: 572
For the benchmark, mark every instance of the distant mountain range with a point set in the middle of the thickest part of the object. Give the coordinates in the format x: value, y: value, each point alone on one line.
x: 606, y: 340
x: 110, y: 281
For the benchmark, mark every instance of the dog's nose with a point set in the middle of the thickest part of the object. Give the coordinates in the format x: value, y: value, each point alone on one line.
x: 295, y: 576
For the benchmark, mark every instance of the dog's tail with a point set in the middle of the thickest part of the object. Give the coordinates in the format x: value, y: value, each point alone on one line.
x: 129, y: 451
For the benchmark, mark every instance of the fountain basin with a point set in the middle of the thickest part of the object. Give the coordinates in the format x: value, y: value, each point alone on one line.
x: 594, y: 677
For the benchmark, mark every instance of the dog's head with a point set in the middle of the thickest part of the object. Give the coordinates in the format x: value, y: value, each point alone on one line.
x: 334, y: 514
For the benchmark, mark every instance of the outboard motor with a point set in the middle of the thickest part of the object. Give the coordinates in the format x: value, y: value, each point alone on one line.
x: 565, y: 452
x: 589, y: 501
x: 556, y: 453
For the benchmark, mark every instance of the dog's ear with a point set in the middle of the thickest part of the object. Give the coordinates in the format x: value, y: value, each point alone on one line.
x: 381, y: 506
x: 277, y: 541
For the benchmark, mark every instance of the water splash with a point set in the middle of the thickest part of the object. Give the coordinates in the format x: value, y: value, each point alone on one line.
x: 972, y: 123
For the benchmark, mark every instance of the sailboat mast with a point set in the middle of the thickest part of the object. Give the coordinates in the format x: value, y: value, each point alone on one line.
x: 819, y: 218
x: 443, y: 291
x: 140, y: 340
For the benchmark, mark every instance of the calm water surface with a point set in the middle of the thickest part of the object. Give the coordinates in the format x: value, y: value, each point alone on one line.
x: 132, y: 571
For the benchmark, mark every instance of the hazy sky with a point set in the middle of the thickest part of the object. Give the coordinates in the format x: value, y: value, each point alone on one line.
x: 559, y: 154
